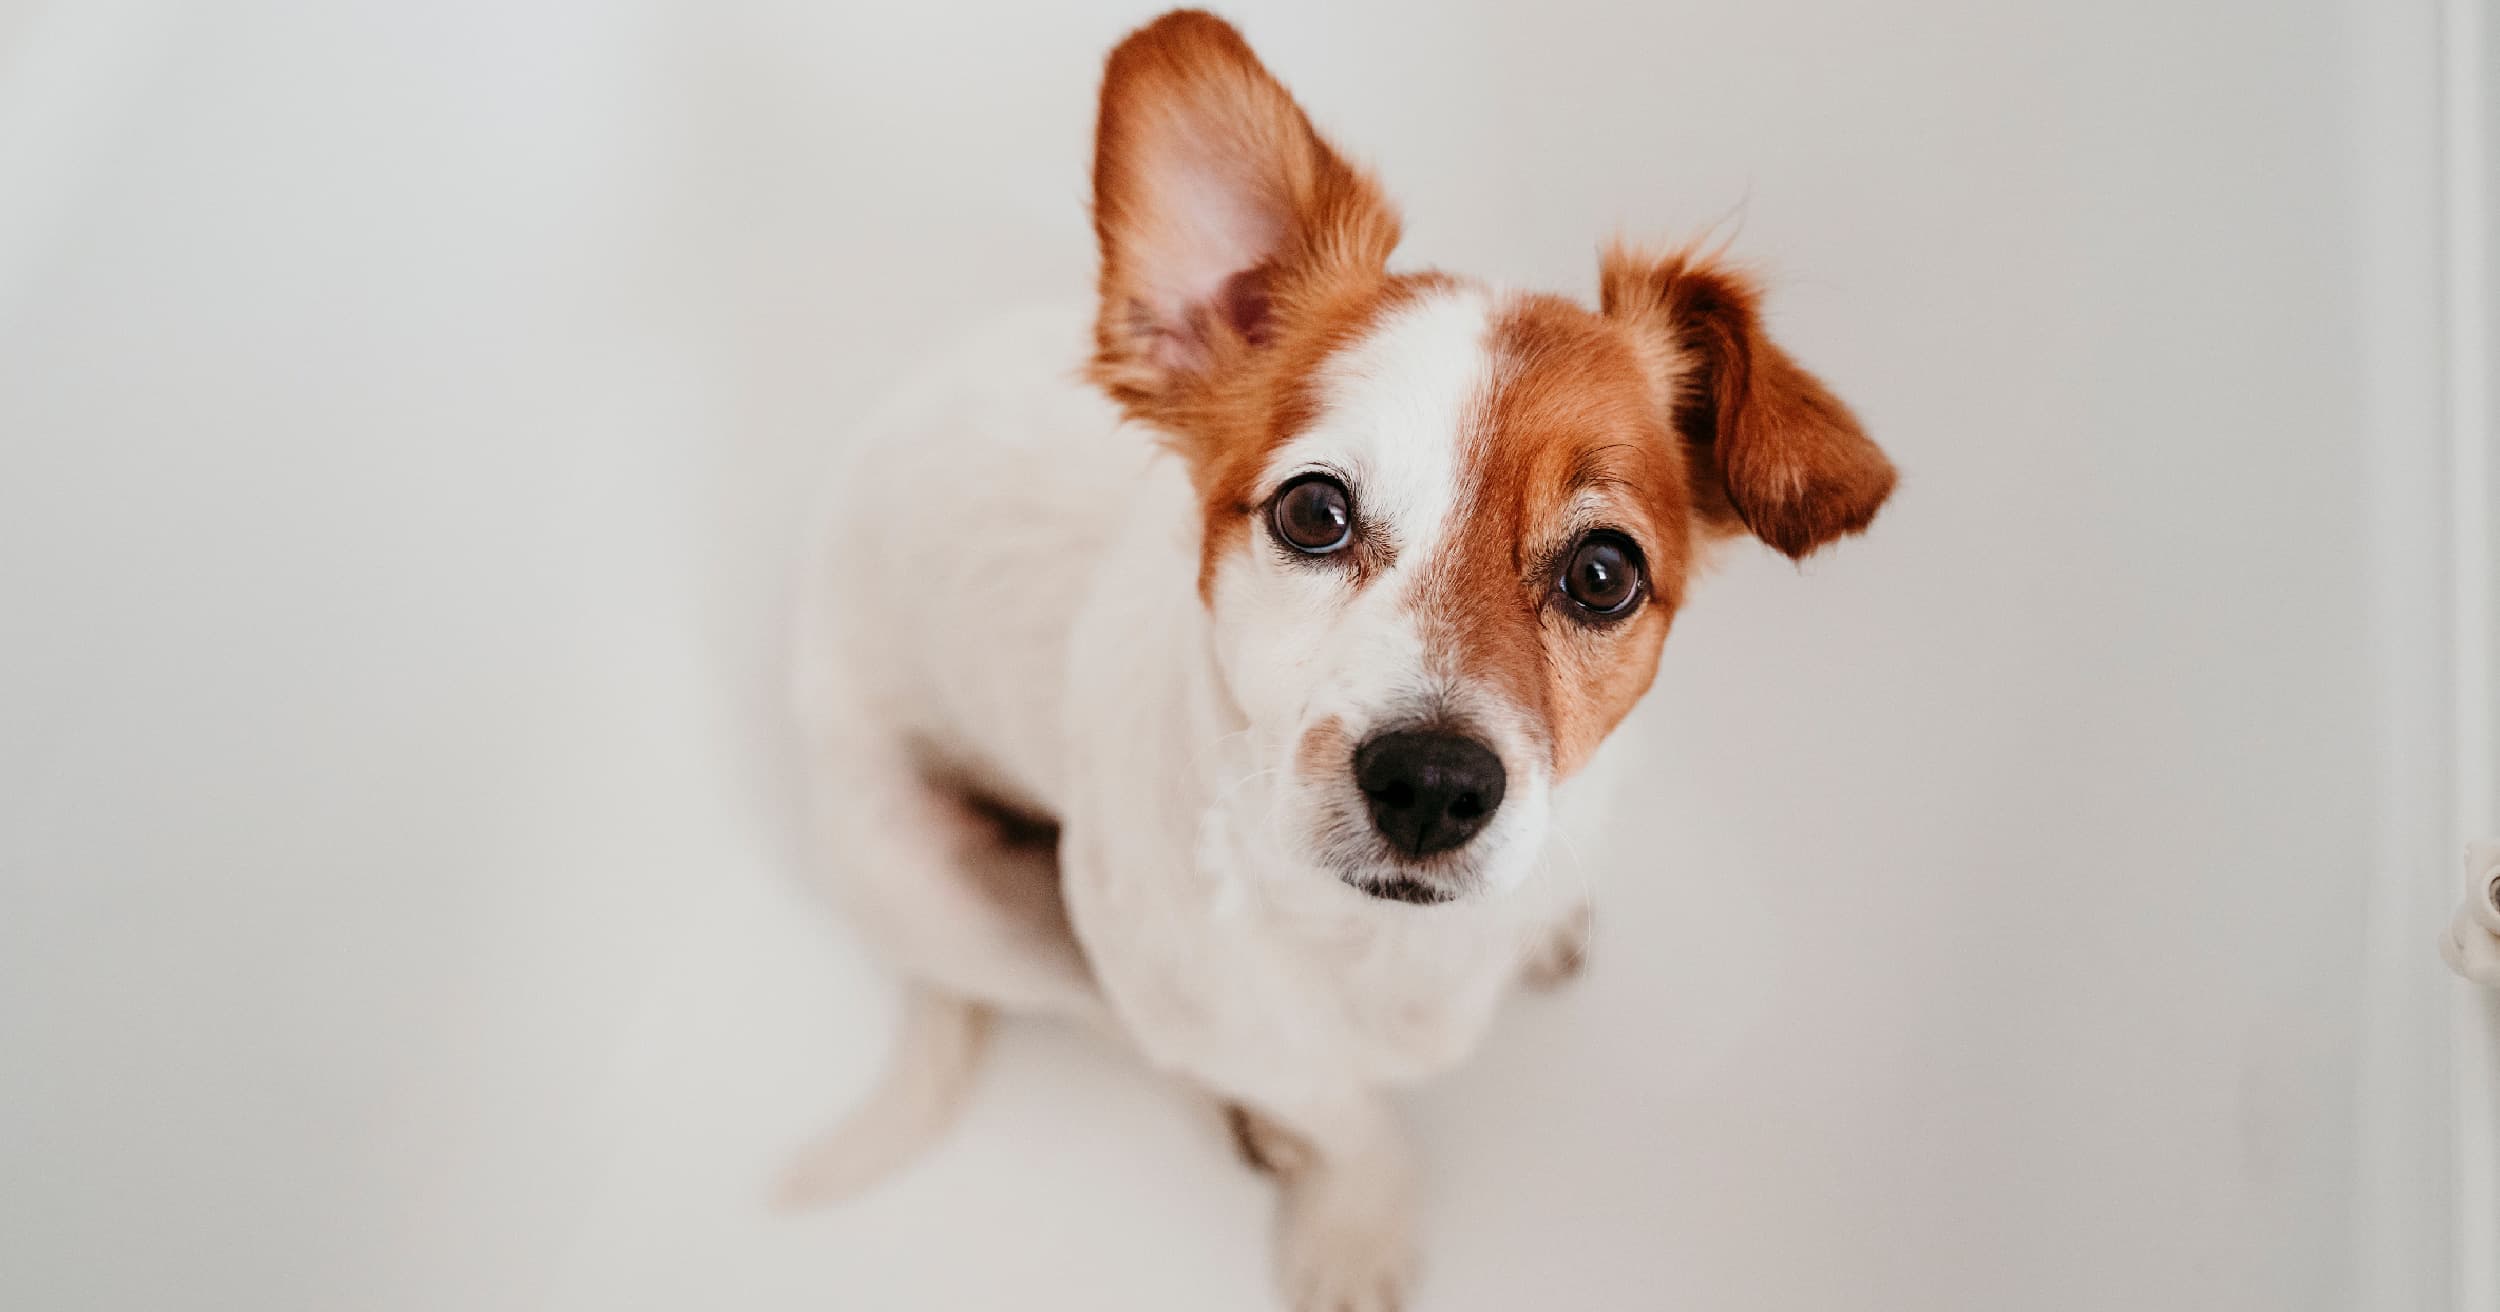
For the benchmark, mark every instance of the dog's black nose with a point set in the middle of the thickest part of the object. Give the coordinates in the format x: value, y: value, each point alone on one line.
x: 1429, y: 791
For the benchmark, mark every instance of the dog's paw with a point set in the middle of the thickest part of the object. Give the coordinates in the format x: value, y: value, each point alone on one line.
x: 1344, y: 1245
x: 1561, y: 955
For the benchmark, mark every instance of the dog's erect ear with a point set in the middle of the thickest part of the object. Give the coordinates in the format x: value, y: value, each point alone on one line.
x: 1212, y: 197
x: 1772, y: 450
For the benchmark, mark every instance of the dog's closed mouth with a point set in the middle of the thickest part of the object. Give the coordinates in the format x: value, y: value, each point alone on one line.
x: 1413, y: 892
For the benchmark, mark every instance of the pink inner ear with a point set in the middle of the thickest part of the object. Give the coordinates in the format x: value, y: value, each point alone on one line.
x: 1243, y: 303
x: 1203, y: 258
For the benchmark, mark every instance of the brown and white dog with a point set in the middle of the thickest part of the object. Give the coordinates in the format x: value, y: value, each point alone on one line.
x: 1247, y: 736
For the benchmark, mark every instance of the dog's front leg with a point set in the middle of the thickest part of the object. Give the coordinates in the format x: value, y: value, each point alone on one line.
x: 1345, y: 1212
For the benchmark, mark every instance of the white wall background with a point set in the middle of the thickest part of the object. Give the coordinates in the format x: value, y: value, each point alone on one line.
x: 405, y: 416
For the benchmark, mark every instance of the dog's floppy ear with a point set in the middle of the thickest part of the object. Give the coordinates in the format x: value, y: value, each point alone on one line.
x: 1212, y: 196
x: 1772, y: 450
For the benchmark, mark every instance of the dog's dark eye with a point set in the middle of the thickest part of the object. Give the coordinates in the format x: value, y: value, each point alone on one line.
x: 1603, y: 575
x: 1313, y: 515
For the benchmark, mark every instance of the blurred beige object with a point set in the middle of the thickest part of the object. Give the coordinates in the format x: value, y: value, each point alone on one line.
x: 2471, y: 947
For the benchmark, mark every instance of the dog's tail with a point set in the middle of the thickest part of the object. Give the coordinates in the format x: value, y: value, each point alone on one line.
x: 936, y: 1051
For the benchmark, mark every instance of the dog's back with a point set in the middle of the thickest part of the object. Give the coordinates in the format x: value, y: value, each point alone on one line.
x: 975, y: 501
x: 950, y: 553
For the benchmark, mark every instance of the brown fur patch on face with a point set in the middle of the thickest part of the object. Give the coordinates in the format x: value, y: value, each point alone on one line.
x: 1567, y: 441
x: 1324, y: 749
x: 1267, y: 397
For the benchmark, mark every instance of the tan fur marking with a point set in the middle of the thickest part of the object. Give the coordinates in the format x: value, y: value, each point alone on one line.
x: 1324, y: 749
x: 1566, y: 441
x: 1273, y: 396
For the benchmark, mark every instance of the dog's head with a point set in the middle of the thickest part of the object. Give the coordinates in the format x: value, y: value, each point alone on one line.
x: 1445, y: 528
